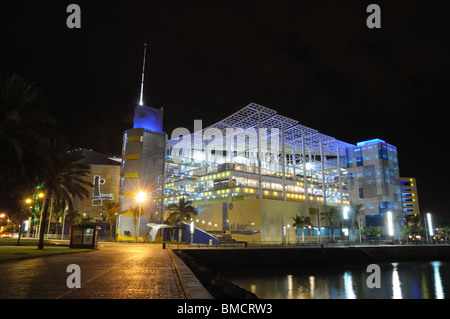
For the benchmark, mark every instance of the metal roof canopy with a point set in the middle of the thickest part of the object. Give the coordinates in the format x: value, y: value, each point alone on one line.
x: 248, y: 118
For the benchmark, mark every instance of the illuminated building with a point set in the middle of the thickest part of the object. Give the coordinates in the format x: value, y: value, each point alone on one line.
x: 142, y: 171
x: 374, y: 181
x: 410, y: 197
x: 300, y: 171
x: 104, y: 176
x: 249, y: 174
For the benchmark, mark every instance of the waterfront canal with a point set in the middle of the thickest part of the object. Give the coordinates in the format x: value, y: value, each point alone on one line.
x: 401, y: 280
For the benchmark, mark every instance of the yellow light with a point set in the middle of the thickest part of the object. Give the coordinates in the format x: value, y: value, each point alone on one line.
x: 28, y: 201
x: 140, y: 197
x: 41, y: 195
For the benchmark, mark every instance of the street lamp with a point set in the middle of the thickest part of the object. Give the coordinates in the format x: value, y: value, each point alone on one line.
x: 192, y: 232
x: 345, y: 212
x: 430, y: 225
x: 390, y: 224
x: 140, y: 197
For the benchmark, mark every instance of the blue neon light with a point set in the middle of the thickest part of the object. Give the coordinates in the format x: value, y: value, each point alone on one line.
x: 375, y: 140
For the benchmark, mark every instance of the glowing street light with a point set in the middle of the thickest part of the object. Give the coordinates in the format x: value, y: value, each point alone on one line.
x: 390, y: 224
x: 430, y: 225
x: 140, y: 198
x: 345, y: 211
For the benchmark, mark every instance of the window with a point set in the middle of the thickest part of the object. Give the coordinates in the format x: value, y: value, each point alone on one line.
x: 361, y: 192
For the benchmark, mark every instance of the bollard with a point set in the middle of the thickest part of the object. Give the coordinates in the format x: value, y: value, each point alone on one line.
x: 164, y: 246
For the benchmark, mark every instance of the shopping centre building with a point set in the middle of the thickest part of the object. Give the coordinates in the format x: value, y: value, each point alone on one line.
x: 249, y: 174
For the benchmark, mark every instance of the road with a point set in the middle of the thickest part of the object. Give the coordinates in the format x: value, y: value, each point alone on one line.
x: 114, y: 271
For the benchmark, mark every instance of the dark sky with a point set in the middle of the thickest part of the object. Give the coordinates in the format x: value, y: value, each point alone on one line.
x: 314, y: 61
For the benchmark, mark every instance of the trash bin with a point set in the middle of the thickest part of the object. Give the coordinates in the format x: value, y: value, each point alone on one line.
x: 164, y: 246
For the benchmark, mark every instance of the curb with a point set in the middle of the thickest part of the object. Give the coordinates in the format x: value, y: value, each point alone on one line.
x: 192, y: 287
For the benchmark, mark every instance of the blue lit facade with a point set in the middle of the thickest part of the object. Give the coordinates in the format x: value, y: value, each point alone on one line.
x: 374, y: 181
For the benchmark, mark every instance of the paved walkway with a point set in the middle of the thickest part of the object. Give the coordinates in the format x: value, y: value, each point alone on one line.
x: 114, y: 271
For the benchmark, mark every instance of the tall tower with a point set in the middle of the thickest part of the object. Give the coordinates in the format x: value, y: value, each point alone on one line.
x: 143, y: 154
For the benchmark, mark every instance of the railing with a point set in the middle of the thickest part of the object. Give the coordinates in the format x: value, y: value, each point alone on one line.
x: 273, y: 244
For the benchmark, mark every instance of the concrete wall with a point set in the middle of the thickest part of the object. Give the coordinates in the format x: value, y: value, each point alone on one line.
x: 270, y: 257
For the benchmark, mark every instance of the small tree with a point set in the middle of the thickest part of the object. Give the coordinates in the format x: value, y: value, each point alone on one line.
x: 445, y: 233
x: 109, y: 215
x: 356, y: 213
x: 180, y: 211
x: 406, y: 231
x: 333, y: 216
x: 299, y: 223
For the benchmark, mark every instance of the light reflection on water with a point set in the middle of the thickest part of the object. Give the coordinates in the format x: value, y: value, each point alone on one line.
x: 402, y: 280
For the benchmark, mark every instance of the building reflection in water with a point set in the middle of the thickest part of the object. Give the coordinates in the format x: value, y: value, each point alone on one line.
x: 438, y: 290
x: 396, y: 289
x: 403, y: 280
x: 348, y: 283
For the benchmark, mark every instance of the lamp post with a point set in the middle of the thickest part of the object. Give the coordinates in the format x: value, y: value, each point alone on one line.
x: 345, y: 210
x: 430, y: 227
x: 390, y: 224
x: 140, y: 197
x: 192, y: 232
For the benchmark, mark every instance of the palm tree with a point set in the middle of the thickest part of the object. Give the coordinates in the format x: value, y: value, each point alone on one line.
x: 182, y: 210
x: 135, y: 213
x: 445, y: 233
x: 373, y: 231
x: 71, y: 218
x: 63, y: 180
x: 57, y: 211
x: 109, y: 215
x: 355, y: 224
x: 26, y: 129
x: 406, y: 231
x: 300, y: 222
x: 333, y: 216
x: 84, y: 221
x: 412, y: 219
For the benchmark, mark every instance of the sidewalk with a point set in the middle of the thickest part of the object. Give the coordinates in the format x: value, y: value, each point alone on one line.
x: 114, y: 271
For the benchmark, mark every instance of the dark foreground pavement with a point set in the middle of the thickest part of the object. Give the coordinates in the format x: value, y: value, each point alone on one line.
x: 114, y: 271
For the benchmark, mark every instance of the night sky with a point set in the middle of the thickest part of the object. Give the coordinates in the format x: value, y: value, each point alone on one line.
x: 314, y: 61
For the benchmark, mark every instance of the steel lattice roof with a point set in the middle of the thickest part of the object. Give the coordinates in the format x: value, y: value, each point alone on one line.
x: 247, y: 118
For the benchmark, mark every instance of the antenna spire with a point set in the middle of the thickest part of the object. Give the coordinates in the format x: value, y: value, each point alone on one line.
x: 141, y: 101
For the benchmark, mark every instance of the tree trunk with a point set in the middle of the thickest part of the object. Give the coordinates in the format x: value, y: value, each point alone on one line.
x: 20, y: 231
x: 43, y: 223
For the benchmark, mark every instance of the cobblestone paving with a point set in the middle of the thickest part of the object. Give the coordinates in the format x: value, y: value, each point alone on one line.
x: 115, y: 271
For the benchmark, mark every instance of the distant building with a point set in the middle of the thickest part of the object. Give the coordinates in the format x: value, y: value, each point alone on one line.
x: 410, y: 197
x: 105, y: 177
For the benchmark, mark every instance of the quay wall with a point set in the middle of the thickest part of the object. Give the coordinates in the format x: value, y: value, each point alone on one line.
x: 220, y: 258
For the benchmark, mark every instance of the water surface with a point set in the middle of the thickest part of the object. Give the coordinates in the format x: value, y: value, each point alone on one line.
x: 402, y: 280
